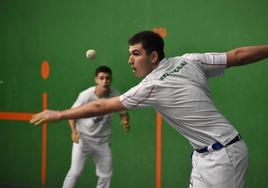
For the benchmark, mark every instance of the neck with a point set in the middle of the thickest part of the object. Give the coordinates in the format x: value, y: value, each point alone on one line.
x: 101, y: 92
x: 156, y: 64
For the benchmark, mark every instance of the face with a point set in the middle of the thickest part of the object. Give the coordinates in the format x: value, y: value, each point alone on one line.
x: 103, y: 80
x: 140, y: 62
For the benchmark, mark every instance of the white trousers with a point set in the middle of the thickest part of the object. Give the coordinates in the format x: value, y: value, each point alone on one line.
x: 102, y: 157
x: 226, y: 168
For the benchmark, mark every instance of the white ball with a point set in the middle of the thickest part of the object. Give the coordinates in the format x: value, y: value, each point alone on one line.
x: 91, y: 54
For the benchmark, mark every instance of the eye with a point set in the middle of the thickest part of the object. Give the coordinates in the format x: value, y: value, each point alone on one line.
x: 135, y: 53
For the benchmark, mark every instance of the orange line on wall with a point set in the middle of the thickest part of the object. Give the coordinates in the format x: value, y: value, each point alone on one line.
x: 18, y: 116
x: 45, y: 70
x: 44, y: 143
x: 158, y: 149
x: 161, y: 31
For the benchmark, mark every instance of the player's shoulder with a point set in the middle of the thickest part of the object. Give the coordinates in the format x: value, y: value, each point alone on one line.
x: 149, y: 81
x: 165, y: 67
x: 88, y: 91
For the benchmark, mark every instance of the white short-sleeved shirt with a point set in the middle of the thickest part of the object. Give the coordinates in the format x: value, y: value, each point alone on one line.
x: 96, y: 128
x: 178, y: 89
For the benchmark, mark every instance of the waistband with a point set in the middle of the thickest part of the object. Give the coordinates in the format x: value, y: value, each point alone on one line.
x: 218, y: 146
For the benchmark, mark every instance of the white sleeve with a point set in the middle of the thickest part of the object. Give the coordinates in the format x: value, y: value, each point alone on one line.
x: 142, y: 95
x: 213, y: 64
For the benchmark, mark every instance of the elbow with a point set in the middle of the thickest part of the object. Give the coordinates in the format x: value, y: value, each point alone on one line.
x: 236, y: 58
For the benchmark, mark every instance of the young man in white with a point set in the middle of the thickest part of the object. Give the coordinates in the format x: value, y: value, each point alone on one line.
x: 91, y: 136
x: 177, y: 87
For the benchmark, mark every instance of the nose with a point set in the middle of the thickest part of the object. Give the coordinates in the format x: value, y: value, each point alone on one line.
x: 106, y: 80
x: 130, y: 60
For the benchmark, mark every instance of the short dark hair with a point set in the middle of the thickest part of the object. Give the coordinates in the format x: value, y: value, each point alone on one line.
x: 150, y: 41
x: 103, y: 69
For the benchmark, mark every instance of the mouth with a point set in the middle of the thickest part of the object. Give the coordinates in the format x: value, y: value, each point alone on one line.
x: 133, y: 69
x: 105, y: 86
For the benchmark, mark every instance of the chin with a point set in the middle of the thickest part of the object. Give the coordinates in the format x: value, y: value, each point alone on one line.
x: 105, y: 88
x: 137, y: 75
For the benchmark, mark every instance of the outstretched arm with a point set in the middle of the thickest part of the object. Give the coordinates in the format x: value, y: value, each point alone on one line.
x: 95, y: 108
x: 246, y: 55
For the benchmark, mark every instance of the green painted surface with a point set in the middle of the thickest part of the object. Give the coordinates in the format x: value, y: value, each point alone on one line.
x: 61, y: 32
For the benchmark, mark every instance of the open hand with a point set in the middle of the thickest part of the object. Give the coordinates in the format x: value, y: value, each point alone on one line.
x: 45, y: 116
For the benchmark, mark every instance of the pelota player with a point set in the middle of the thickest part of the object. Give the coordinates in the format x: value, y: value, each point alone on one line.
x: 177, y: 87
x: 91, y: 136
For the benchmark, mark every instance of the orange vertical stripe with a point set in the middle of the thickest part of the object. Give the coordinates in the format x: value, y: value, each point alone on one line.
x: 15, y: 116
x: 161, y: 31
x: 44, y: 143
x: 45, y: 70
x: 158, y: 149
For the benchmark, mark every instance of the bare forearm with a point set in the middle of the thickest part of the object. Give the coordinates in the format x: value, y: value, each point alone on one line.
x: 246, y: 55
x: 72, y: 124
x: 95, y: 108
x: 85, y: 111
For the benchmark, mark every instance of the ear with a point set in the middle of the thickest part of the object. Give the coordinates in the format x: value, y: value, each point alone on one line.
x: 154, y: 57
x: 95, y: 80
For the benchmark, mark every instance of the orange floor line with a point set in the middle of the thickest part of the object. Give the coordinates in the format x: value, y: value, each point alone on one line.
x: 18, y: 116
x: 158, y: 149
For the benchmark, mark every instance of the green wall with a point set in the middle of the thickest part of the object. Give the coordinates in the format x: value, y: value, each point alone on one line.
x: 61, y: 31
